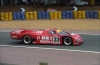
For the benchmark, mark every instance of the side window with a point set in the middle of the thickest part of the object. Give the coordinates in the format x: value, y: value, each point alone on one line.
x: 52, y: 32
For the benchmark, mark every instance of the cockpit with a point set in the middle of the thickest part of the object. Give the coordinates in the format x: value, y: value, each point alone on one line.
x: 58, y: 31
x: 52, y: 32
x: 61, y: 32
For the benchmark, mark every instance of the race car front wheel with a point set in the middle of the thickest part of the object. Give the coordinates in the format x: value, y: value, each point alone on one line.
x: 27, y: 39
x: 67, y: 41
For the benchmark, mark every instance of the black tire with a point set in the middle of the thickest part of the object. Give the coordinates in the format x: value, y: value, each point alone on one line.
x: 67, y: 41
x: 27, y: 39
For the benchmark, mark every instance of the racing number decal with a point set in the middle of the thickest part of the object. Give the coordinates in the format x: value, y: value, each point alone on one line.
x: 56, y: 39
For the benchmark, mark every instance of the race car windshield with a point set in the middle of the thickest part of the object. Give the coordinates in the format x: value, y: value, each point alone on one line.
x: 62, y: 32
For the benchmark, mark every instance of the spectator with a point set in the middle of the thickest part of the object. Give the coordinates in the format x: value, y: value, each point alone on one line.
x: 29, y: 2
x: 67, y: 3
x: 8, y: 2
x: 73, y: 3
x: 25, y: 2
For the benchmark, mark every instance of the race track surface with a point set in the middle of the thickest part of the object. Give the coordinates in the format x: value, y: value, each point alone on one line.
x: 32, y: 56
x: 91, y: 43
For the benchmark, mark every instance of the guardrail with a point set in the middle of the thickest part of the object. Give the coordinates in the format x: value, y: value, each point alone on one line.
x: 34, y: 15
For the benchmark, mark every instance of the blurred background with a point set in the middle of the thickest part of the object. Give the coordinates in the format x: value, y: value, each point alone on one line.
x: 40, y: 5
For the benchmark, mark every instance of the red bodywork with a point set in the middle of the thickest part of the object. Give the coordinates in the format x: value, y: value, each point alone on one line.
x: 44, y: 36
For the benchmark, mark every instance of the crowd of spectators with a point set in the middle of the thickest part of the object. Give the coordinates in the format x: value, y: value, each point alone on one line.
x: 34, y: 2
x: 27, y: 2
x: 24, y: 2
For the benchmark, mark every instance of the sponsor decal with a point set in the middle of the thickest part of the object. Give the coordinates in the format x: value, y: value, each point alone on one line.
x: 46, y: 41
x: 73, y: 33
x: 45, y: 38
x: 49, y: 39
x: 14, y: 36
x: 39, y: 32
x: 34, y: 42
x: 17, y: 31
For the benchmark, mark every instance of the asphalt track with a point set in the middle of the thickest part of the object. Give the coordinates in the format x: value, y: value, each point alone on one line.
x: 91, y: 43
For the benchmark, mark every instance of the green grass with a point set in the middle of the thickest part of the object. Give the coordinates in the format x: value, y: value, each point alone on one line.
x: 6, y: 64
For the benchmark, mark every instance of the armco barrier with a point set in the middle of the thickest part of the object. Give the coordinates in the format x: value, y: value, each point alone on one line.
x: 51, y: 15
x: 98, y: 14
x: 27, y: 16
x: 2, y: 16
x: 83, y: 14
x: 59, y: 15
x: 71, y: 14
x: 31, y: 16
x: 47, y: 15
x: 43, y: 15
x: 10, y: 16
x: 34, y: 15
x: 79, y: 14
x: 6, y: 16
x: 91, y: 14
x: 87, y: 14
x: 22, y: 16
x: 95, y: 15
x: 19, y: 15
x: 14, y: 16
x: 75, y: 15
x: 55, y: 15
x: 39, y: 15
x: 63, y: 14
x: 67, y: 15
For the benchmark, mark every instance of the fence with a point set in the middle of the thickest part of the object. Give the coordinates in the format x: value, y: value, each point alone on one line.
x: 34, y: 15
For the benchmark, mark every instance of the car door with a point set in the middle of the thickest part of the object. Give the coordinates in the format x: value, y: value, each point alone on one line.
x: 54, y: 37
x: 43, y: 38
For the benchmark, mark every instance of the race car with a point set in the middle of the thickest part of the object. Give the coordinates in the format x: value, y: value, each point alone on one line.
x: 46, y: 36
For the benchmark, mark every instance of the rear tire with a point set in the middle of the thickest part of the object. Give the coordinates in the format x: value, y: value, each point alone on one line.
x: 27, y: 39
x: 67, y: 41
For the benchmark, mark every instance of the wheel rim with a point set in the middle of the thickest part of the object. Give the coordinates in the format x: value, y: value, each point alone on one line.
x: 27, y: 39
x: 67, y: 41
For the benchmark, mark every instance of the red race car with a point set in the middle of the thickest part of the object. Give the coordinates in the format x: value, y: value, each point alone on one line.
x: 48, y: 36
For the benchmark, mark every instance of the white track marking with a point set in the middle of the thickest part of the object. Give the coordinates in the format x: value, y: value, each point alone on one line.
x: 88, y: 34
x: 48, y: 48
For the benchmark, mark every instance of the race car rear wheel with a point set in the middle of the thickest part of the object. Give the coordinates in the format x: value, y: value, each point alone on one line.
x: 67, y: 41
x: 27, y: 39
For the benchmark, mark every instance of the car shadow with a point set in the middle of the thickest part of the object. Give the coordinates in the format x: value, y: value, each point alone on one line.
x: 19, y: 43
